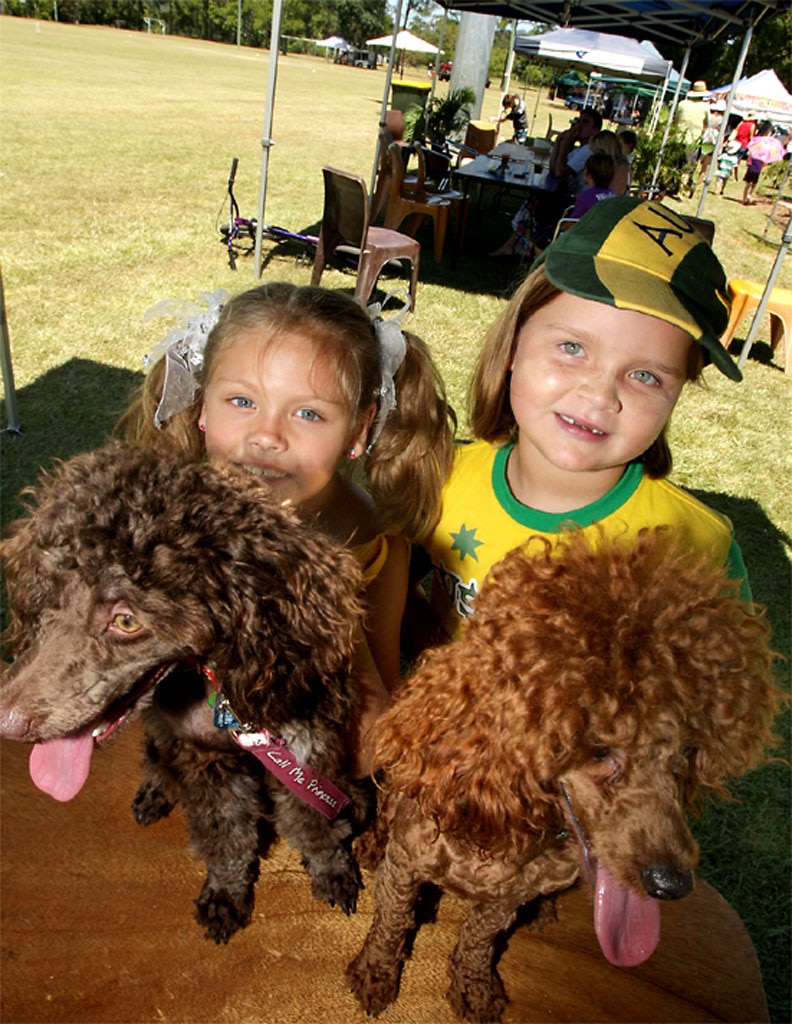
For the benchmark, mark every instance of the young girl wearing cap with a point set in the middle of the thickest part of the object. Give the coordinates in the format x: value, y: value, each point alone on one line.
x: 571, y: 398
x: 295, y: 385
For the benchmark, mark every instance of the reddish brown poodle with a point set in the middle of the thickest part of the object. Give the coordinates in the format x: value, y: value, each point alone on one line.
x: 131, y: 575
x: 592, y: 697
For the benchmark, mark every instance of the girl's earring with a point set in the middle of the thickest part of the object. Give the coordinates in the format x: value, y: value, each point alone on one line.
x: 202, y: 426
x: 352, y: 453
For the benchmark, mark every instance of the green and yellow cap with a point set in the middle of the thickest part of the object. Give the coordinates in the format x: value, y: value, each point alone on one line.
x: 637, y: 254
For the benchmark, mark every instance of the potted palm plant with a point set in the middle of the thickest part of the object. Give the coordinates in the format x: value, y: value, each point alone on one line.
x: 443, y: 118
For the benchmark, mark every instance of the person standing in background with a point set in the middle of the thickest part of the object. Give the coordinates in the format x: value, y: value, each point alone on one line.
x: 710, y: 136
x: 691, y: 119
x: 514, y: 111
x: 743, y: 134
x: 764, y: 148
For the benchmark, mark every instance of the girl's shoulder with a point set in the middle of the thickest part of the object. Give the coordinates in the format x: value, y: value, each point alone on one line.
x: 473, y: 457
x: 672, y: 505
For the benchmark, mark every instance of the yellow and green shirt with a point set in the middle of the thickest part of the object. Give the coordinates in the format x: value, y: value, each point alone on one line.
x: 482, y: 521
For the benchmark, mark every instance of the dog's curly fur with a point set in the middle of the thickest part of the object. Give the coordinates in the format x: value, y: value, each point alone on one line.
x: 590, y: 701
x: 129, y: 561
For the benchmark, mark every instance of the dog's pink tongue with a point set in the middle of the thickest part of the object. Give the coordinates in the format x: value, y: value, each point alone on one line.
x: 60, y: 767
x: 627, y: 926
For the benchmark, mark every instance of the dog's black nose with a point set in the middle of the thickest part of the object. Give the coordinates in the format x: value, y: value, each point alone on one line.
x: 664, y: 883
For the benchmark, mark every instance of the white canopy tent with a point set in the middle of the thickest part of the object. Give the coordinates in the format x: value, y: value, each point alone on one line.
x: 762, y: 93
x: 587, y: 50
x: 333, y: 43
x: 404, y: 41
x: 600, y: 51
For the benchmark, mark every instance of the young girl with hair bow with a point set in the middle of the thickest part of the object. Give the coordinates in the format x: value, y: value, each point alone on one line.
x: 295, y: 385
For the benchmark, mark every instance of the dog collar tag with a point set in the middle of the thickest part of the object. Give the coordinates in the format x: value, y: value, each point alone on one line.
x: 315, y: 790
x: 223, y: 716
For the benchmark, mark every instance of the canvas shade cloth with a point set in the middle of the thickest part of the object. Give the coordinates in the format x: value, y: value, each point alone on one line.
x: 97, y: 927
x: 676, y: 21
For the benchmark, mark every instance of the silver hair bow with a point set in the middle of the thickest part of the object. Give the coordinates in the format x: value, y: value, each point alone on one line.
x: 183, y: 348
x: 394, y: 347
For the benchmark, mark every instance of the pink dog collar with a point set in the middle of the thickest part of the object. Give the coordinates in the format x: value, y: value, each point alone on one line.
x: 320, y: 793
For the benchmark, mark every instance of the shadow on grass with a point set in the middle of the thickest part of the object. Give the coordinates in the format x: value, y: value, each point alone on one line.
x: 767, y: 551
x: 70, y: 409
x: 770, y: 243
x: 471, y: 271
x: 760, y: 352
x: 745, y: 843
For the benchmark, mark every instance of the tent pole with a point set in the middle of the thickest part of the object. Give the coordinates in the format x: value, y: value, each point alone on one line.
x: 588, y: 89
x: 14, y: 426
x: 538, y: 94
x: 384, y: 108
x: 760, y: 309
x: 437, y: 61
x: 506, y: 80
x: 266, y: 137
x: 779, y: 193
x: 658, y: 100
x: 725, y: 120
x: 670, y: 121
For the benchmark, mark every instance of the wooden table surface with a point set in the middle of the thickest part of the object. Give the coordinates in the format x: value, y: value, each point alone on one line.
x: 97, y: 926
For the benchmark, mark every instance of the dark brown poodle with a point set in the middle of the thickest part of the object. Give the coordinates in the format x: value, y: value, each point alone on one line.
x: 137, y: 580
x: 592, y: 698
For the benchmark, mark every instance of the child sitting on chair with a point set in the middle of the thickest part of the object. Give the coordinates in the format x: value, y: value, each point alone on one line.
x: 597, y: 174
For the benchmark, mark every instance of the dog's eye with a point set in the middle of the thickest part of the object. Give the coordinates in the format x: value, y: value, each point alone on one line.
x: 125, y: 622
x: 600, y: 753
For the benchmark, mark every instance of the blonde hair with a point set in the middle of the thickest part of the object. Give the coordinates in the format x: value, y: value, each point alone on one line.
x: 489, y: 401
x: 409, y: 461
x: 607, y: 142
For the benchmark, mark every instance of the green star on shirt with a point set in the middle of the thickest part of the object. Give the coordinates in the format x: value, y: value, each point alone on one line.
x: 465, y: 542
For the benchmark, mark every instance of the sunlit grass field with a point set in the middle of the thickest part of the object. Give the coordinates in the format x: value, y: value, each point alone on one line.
x: 115, y: 154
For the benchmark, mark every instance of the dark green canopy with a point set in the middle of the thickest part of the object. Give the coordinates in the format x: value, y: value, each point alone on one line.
x: 570, y: 78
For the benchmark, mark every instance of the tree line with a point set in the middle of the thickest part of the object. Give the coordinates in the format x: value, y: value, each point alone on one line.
x: 218, y: 20
x: 357, y: 20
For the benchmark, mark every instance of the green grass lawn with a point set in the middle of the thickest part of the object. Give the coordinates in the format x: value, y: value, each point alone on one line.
x: 116, y: 148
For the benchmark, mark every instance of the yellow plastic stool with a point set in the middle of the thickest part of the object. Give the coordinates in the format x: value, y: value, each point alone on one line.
x: 745, y: 296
